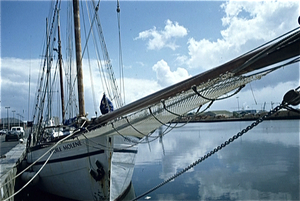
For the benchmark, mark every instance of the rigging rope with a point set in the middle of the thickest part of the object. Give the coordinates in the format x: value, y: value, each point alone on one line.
x: 107, y: 81
x: 88, y: 55
x: 269, y: 50
x: 210, y: 99
x: 122, y: 84
x: 290, y: 99
x: 51, y: 149
x: 168, y: 129
x: 35, y: 175
x: 112, y: 87
x: 99, y: 63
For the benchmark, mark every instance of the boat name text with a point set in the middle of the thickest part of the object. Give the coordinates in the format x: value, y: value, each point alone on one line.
x: 67, y: 146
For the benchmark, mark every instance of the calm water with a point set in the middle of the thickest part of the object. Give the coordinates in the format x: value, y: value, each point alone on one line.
x: 261, y: 165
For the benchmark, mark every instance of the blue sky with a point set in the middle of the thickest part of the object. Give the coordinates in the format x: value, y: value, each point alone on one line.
x: 162, y: 43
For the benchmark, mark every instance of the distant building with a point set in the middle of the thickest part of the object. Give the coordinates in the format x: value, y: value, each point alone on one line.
x: 10, y: 122
x: 218, y: 113
x: 223, y: 113
x: 241, y: 113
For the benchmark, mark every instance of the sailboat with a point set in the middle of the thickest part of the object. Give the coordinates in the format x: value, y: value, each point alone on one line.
x: 93, y: 159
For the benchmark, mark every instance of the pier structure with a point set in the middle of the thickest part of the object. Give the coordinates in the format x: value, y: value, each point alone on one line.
x: 9, y: 164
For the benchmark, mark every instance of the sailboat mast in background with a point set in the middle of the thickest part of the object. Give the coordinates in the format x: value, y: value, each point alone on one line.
x: 78, y: 58
x: 60, y: 70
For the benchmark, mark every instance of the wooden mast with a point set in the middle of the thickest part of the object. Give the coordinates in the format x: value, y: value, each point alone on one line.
x: 60, y: 70
x: 78, y: 57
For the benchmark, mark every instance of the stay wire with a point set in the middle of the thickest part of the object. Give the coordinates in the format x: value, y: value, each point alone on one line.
x: 269, y: 49
x: 265, y: 44
x: 122, y: 84
x: 89, y: 62
x: 210, y: 99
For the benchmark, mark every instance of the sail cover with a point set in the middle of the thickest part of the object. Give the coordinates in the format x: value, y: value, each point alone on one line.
x: 106, y: 105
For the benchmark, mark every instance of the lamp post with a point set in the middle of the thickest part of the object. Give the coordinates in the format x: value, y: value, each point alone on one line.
x: 238, y: 103
x: 19, y: 118
x: 13, y: 111
x: 1, y: 117
x: 7, y: 118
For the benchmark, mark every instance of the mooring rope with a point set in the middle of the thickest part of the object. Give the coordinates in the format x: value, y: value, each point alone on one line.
x: 51, y: 149
x: 35, y: 175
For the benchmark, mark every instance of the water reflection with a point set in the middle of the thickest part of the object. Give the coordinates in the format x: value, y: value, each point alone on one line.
x: 261, y: 165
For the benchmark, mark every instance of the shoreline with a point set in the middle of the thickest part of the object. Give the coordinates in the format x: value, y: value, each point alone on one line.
x: 281, y: 115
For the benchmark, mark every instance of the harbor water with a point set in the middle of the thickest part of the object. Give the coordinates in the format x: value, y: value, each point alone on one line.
x: 263, y: 164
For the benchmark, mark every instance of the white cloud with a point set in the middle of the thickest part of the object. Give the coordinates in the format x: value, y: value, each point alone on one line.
x: 137, y: 88
x: 166, y: 77
x: 207, y: 54
x: 256, y: 98
x: 247, y: 25
x: 215, y: 181
x: 15, y: 86
x: 265, y: 20
x: 165, y: 38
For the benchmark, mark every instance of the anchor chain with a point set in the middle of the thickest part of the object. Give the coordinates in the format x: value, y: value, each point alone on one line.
x: 288, y: 99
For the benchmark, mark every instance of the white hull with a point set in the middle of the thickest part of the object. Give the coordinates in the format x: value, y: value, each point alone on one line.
x: 98, y: 164
x: 68, y: 171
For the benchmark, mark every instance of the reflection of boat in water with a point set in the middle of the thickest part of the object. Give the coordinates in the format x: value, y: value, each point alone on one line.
x: 33, y: 193
x: 93, y: 159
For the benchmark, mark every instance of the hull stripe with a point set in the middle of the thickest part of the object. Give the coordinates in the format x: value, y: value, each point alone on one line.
x: 71, y: 157
x: 82, y: 156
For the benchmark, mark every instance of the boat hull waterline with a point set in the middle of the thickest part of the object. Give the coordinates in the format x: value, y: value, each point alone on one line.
x: 79, y: 168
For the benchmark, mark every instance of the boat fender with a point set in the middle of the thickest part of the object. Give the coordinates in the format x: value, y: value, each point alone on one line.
x: 26, y: 176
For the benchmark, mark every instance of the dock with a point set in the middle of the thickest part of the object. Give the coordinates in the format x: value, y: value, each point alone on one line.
x: 9, y: 163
